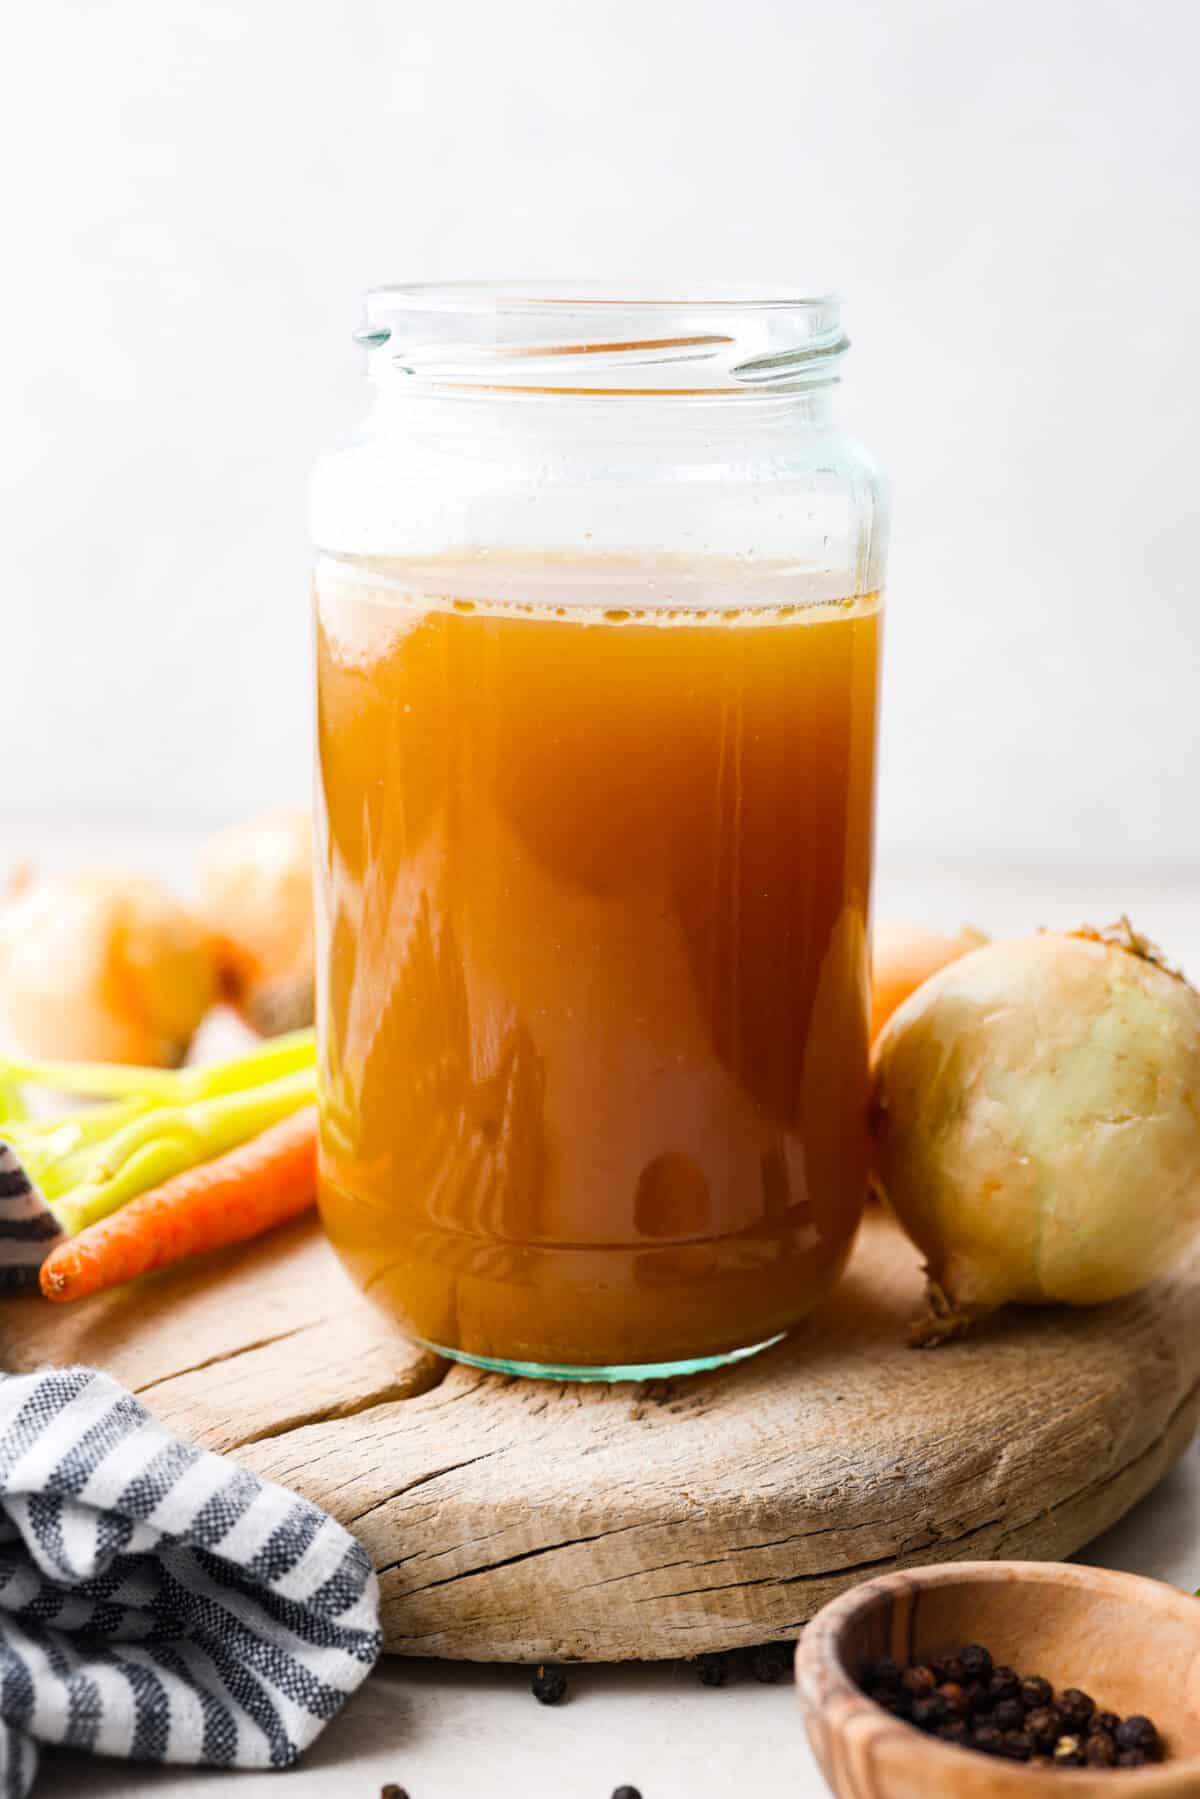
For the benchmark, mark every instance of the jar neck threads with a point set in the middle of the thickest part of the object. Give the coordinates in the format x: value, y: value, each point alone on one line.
x: 595, y: 340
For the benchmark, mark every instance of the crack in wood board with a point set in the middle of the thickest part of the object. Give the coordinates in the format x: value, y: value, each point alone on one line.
x: 402, y: 1393
x: 232, y: 1355
x: 422, y: 1480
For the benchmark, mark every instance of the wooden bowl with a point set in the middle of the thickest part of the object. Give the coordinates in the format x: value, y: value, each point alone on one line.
x: 1133, y: 1644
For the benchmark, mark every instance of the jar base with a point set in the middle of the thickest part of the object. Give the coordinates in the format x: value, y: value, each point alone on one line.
x: 615, y: 1372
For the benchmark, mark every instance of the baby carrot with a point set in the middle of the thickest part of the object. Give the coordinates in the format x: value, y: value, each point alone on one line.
x: 260, y: 1183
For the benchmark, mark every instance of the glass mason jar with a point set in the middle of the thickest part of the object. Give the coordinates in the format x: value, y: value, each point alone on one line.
x: 598, y: 618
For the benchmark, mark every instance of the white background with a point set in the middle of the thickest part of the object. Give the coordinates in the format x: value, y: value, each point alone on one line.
x: 195, y: 194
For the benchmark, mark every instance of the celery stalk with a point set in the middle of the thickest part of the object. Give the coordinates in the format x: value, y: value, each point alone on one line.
x: 56, y: 1154
x: 165, y: 1140
x: 12, y: 1106
x: 94, y: 1080
x: 102, y: 1080
x: 279, y: 1056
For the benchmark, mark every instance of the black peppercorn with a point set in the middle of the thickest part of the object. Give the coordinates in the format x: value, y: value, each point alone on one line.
x: 1068, y: 1752
x: 977, y: 1696
x: 976, y: 1661
x: 928, y: 1712
x: 1005, y: 1683
x: 1036, y: 1692
x: 1099, y: 1750
x: 1045, y: 1726
x: 1009, y: 1715
x: 713, y: 1670
x: 549, y: 1685
x: 1076, y: 1708
x: 966, y: 1700
x: 626, y: 1792
x: 954, y: 1698
x: 1139, y: 1733
x: 392, y: 1791
x: 879, y: 1676
x: 769, y: 1664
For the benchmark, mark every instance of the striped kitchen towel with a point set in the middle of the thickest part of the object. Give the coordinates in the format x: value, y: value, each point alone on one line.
x: 28, y: 1228
x: 156, y: 1601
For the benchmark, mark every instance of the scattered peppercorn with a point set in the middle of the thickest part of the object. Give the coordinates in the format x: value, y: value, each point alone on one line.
x: 392, y: 1791
x: 713, y: 1670
x: 626, y: 1792
x: 769, y: 1664
x: 549, y: 1685
x: 968, y: 1701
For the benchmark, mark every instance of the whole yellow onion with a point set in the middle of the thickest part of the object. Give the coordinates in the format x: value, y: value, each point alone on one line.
x: 256, y: 886
x: 1036, y: 1110
x: 103, y: 968
x: 902, y: 956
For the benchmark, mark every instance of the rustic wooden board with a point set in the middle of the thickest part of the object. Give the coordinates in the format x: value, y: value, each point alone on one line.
x: 522, y: 1520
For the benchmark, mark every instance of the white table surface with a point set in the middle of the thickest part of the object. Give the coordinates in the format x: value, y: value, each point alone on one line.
x: 460, y: 1731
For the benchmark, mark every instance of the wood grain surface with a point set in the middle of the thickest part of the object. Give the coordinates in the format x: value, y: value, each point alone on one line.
x: 522, y: 1520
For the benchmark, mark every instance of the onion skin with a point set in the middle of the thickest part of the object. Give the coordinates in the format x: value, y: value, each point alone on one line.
x: 905, y: 955
x: 1036, y: 1117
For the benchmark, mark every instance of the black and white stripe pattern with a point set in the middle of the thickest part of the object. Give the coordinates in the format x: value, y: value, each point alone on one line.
x: 156, y: 1601
x: 28, y: 1228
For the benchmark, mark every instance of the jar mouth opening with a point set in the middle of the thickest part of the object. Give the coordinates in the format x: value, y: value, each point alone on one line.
x: 601, y: 337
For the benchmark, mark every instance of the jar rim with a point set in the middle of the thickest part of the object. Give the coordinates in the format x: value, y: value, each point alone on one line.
x: 602, y: 336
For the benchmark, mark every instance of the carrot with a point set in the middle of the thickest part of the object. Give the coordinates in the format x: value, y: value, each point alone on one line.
x: 260, y: 1183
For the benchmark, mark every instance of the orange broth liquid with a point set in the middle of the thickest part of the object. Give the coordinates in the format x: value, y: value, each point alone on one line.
x: 593, y: 908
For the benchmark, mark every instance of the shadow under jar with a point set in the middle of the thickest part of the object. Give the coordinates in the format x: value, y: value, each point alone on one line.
x: 598, y: 596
